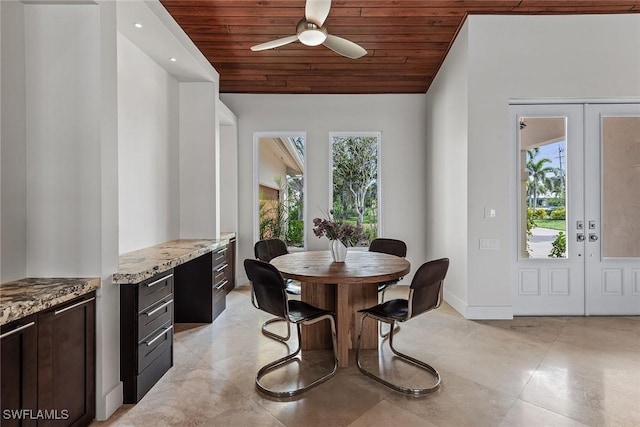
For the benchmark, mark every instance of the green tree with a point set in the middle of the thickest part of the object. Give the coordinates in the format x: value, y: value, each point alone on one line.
x: 539, y: 175
x: 355, y: 169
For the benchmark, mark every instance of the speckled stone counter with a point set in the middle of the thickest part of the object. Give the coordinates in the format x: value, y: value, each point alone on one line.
x: 136, y: 266
x: 23, y: 297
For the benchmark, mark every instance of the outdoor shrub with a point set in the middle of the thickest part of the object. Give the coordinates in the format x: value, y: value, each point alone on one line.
x: 295, y: 232
x: 540, y: 214
x: 559, y: 246
x: 530, y: 223
x: 558, y: 214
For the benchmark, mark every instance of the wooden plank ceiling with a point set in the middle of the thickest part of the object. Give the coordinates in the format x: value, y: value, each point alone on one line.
x: 406, y: 40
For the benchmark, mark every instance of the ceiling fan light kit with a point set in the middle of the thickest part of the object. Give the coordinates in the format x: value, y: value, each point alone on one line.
x: 310, y: 32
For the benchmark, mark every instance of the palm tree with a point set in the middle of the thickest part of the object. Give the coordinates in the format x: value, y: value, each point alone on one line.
x: 539, y: 180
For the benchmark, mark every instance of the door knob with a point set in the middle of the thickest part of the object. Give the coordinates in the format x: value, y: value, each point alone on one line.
x: 593, y: 237
x: 580, y: 237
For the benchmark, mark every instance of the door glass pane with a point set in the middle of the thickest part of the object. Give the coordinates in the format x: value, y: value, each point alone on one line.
x: 621, y: 187
x: 543, y: 188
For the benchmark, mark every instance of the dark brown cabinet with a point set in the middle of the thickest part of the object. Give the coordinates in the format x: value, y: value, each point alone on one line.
x: 146, y: 334
x: 48, y: 366
x: 19, y: 370
x: 66, y: 363
x: 231, y: 266
x: 202, y: 285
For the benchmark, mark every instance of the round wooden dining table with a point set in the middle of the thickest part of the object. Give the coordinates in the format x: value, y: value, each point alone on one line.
x: 341, y: 287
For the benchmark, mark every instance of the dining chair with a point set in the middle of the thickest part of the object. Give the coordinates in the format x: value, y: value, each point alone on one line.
x: 425, y: 294
x: 392, y: 247
x: 265, y: 250
x: 270, y: 296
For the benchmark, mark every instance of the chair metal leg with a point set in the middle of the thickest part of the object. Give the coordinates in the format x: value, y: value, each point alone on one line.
x: 418, y: 363
x: 290, y: 357
x: 273, y: 335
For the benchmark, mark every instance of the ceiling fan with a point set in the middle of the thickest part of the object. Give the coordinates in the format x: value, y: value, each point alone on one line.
x: 310, y: 32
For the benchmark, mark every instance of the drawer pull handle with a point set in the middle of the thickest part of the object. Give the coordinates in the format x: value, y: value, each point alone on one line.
x: 221, y: 285
x: 18, y: 329
x: 159, y: 280
x: 157, y: 309
x: 160, y: 335
x: 222, y: 267
x: 78, y: 304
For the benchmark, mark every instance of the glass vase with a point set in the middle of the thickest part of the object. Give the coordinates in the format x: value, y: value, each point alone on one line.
x: 338, y: 251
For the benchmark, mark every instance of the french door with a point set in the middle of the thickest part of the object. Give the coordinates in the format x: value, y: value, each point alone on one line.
x: 578, y: 209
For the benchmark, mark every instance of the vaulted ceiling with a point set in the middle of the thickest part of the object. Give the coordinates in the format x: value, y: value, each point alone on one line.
x: 406, y: 40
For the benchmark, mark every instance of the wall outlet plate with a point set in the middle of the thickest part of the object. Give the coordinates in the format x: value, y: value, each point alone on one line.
x: 489, y: 244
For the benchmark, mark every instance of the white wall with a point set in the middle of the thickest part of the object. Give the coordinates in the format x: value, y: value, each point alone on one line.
x: 62, y: 139
x: 13, y: 151
x: 228, y: 177
x: 446, y: 208
x: 199, y: 216
x: 147, y: 150
x: 511, y: 57
x: 400, y: 118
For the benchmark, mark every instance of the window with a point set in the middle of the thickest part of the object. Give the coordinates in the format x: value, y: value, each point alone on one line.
x: 279, y: 187
x: 355, y: 180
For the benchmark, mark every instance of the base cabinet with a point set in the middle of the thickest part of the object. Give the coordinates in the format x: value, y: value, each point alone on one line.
x: 146, y: 334
x: 66, y: 363
x: 19, y: 371
x: 48, y: 367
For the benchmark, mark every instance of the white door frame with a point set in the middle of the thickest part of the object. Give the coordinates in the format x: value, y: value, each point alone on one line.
x: 594, y: 264
x: 612, y: 283
x: 551, y: 286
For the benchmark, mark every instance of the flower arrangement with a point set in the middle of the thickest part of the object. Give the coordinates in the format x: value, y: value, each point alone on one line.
x: 346, y: 233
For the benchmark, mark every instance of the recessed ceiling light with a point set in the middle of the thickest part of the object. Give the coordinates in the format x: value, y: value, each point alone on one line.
x: 137, y: 25
x: 172, y: 59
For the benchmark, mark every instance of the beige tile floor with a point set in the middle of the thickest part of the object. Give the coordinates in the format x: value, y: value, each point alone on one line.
x: 531, y: 371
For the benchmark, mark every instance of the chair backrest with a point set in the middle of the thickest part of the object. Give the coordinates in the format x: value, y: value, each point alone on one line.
x: 426, y: 286
x: 268, y: 287
x: 266, y: 250
x: 389, y: 246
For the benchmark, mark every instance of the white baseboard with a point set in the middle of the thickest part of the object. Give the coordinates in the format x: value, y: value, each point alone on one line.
x: 478, y: 312
x: 108, y: 404
x: 455, y: 302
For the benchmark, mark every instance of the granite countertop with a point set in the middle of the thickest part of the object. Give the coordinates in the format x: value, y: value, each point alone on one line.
x: 136, y: 266
x: 24, y: 297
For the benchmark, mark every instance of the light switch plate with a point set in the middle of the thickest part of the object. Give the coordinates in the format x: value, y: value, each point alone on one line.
x: 489, y: 213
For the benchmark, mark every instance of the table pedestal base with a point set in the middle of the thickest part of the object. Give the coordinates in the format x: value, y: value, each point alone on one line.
x: 345, y: 300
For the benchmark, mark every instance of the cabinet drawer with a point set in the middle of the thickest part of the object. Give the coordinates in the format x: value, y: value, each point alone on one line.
x: 219, y: 275
x: 219, y: 257
x: 219, y: 300
x: 154, y: 345
x: 153, y: 373
x: 155, y: 316
x: 155, y: 289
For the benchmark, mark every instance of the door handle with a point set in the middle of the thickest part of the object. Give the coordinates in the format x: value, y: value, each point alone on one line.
x: 593, y: 237
x: 580, y: 237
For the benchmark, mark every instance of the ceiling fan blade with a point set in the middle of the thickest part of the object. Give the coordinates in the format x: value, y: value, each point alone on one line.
x: 344, y: 47
x: 274, y: 43
x: 316, y: 11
